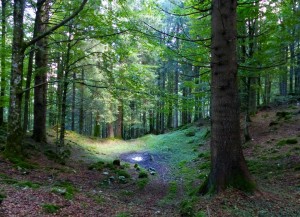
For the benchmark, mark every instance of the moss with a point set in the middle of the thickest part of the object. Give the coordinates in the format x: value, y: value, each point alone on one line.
x: 97, y: 166
x: 2, y: 197
x: 22, y: 163
x: 28, y: 184
x: 190, y: 133
x: 123, y: 173
x: 242, y: 183
x: 143, y: 174
x: 141, y: 183
x: 123, y: 214
x: 292, y: 141
x: 186, y: 208
x: 50, y: 208
x: 64, y: 188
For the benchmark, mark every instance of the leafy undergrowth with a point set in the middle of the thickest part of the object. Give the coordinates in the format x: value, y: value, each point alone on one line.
x: 89, y: 178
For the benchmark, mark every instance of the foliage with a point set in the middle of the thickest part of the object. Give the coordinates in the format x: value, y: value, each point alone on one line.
x: 50, y: 208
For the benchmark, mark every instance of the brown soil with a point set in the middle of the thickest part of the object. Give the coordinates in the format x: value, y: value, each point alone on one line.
x: 276, y: 171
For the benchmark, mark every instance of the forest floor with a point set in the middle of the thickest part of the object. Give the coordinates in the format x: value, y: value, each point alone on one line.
x: 153, y: 175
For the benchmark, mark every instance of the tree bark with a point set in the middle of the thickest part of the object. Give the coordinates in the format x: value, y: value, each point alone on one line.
x: 15, y: 135
x: 228, y: 166
x: 81, y: 113
x: 3, y: 60
x: 119, y: 128
x: 27, y: 93
x: 40, y: 80
x: 73, y: 102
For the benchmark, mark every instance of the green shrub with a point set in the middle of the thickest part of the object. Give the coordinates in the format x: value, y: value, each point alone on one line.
x: 28, y: 184
x: 123, y: 173
x: 2, y: 197
x: 64, y: 188
x: 50, y: 208
x: 143, y: 174
x: 187, y: 208
x: 291, y: 141
x: 190, y: 133
x: 141, y: 183
x: 97, y: 166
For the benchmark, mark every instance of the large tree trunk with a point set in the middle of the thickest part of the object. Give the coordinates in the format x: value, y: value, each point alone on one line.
x: 228, y: 166
x: 3, y: 60
x: 15, y: 132
x: 40, y: 80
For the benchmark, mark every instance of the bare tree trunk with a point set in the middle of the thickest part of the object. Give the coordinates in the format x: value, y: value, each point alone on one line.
x: 15, y: 132
x: 228, y: 164
x: 119, y: 129
x: 81, y: 113
x: 73, y: 103
x: 65, y: 90
x: 27, y: 93
x: 3, y: 59
x: 40, y: 80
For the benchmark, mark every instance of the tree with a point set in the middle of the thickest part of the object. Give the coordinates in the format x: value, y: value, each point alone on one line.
x: 40, y: 80
x: 15, y: 132
x: 228, y: 166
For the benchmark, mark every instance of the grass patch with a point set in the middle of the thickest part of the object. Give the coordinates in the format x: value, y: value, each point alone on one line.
x: 50, y: 208
x: 287, y: 141
x: 123, y: 214
x: 143, y: 174
x: 64, y: 188
x: 141, y: 183
x: 123, y: 173
x: 2, y: 197
x: 28, y: 184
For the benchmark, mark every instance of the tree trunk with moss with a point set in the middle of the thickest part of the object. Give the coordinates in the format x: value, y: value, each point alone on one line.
x: 15, y: 133
x: 228, y: 166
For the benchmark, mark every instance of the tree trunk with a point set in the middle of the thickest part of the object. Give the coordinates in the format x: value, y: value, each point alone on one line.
x: 119, y: 129
x: 292, y: 62
x: 73, y: 103
x: 3, y: 60
x: 110, y: 130
x: 228, y: 164
x: 176, y: 88
x: 27, y: 93
x: 15, y: 132
x: 40, y: 80
x: 65, y: 90
x: 81, y: 113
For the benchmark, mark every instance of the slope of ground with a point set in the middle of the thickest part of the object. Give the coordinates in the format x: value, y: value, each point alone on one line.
x: 156, y: 175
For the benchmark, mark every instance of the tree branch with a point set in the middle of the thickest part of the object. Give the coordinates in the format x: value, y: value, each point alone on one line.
x: 52, y: 29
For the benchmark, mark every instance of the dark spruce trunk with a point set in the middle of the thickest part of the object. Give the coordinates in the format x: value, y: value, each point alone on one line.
x: 40, y: 80
x: 228, y: 166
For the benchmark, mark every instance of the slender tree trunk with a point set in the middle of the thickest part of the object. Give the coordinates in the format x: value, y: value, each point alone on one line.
x: 81, y: 113
x: 73, y: 103
x: 119, y: 129
x: 176, y: 88
x: 297, y: 72
x: 65, y: 90
x: 40, y: 80
x: 228, y: 166
x: 292, y: 62
x: 3, y: 60
x: 15, y: 132
x: 151, y: 122
x: 27, y: 93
